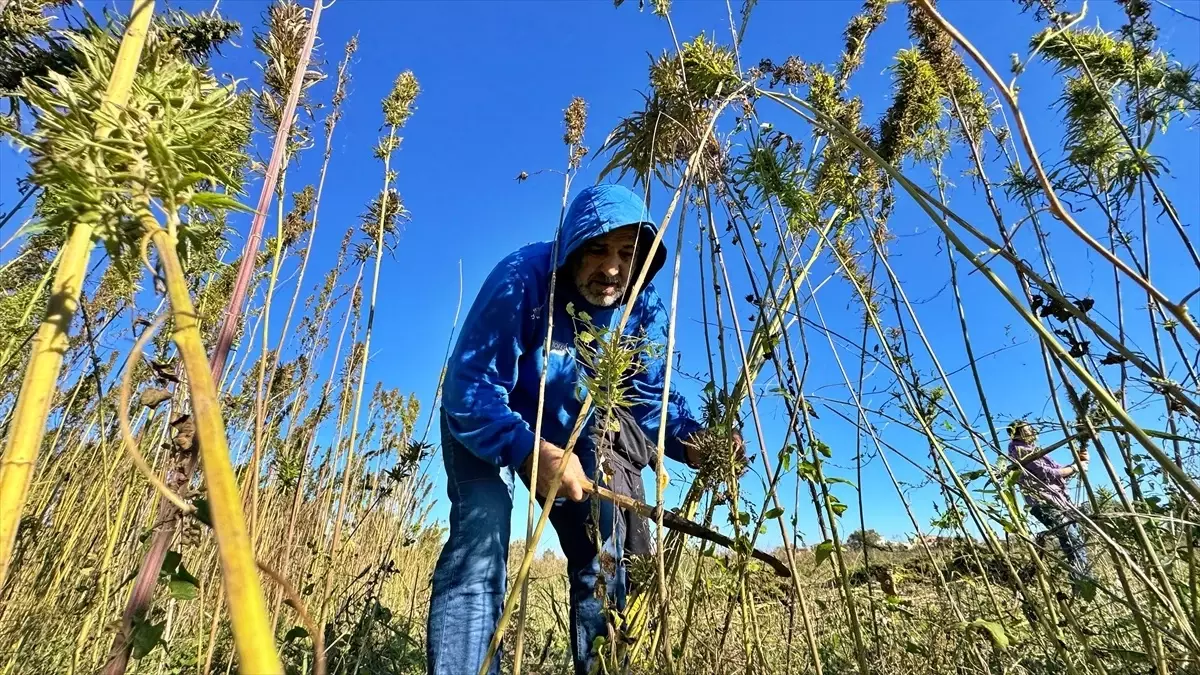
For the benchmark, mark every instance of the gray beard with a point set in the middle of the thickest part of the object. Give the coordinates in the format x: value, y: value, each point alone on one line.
x: 602, y: 301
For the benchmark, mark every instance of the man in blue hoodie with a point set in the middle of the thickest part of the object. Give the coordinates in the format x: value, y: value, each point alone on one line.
x: 489, y: 413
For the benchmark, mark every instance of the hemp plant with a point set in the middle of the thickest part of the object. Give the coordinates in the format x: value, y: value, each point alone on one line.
x: 161, y: 156
x: 574, y: 128
x: 380, y: 224
x: 109, y: 92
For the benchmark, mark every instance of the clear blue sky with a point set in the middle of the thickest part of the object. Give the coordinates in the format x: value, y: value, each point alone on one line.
x: 495, y: 77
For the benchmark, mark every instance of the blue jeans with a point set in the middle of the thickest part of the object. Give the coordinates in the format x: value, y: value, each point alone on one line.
x: 1060, y: 523
x: 470, y: 577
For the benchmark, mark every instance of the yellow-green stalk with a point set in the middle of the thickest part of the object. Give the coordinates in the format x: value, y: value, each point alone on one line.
x: 247, y: 607
x: 51, y: 341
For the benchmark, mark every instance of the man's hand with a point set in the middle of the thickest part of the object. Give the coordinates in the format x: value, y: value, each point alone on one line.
x: 550, y: 461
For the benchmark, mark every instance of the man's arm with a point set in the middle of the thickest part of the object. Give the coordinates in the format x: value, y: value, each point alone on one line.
x: 483, y: 371
x: 646, y: 390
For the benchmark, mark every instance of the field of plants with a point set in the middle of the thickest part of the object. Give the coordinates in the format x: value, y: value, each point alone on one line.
x: 206, y: 469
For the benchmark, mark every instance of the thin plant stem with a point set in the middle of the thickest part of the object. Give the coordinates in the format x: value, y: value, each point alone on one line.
x: 1060, y: 212
x: 275, y: 166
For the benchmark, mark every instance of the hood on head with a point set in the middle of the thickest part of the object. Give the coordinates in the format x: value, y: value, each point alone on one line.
x: 600, y: 209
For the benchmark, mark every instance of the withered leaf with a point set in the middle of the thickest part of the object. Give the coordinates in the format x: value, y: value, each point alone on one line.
x: 153, y: 397
x: 185, y: 433
x: 164, y: 371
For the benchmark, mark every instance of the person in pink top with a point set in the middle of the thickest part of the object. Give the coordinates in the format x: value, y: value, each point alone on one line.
x: 1044, y: 484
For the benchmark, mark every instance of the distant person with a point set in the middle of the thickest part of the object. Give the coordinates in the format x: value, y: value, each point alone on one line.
x: 1044, y: 484
x: 489, y: 413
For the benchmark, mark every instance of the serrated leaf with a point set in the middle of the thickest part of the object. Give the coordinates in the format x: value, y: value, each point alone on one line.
x: 216, y: 201
x: 182, y: 589
x: 586, y: 337
x: 171, y: 562
x: 993, y: 630
x: 146, y: 636
x: 969, y: 476
x: 1087, y: 589
x: 806, y: 470
x: 203, y: 512
x: 823, y: 551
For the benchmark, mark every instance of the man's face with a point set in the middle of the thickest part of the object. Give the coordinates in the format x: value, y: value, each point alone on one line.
x: 602, y: 275
x: 1021, y: 432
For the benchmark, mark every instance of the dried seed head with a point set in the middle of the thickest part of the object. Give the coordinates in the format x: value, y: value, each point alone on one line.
x: 398, y: 106
x: 697, y: 75
x: 391, y: 219
x: 937, y: 48
x: 792, y: 73
x: 917, y: 107
x: 575, y: 120
x: 857, y: 32
x: 339, y: 92
x: 282, y: 44
x: 295, y: 223
x: 26, y: 19
x: 685, y: 88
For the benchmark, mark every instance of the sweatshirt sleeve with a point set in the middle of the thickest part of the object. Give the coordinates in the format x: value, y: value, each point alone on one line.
x: 646, y: 390
x: 483, y: 371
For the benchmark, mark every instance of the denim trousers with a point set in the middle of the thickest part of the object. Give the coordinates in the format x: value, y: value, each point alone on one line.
x: 470, y: 578
x: 1059, y: 522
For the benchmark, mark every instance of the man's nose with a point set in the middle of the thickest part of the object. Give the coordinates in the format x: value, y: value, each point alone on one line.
x: 612, y: 265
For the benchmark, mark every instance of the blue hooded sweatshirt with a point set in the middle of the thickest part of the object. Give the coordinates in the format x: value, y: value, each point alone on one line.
x: 491, y: 388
